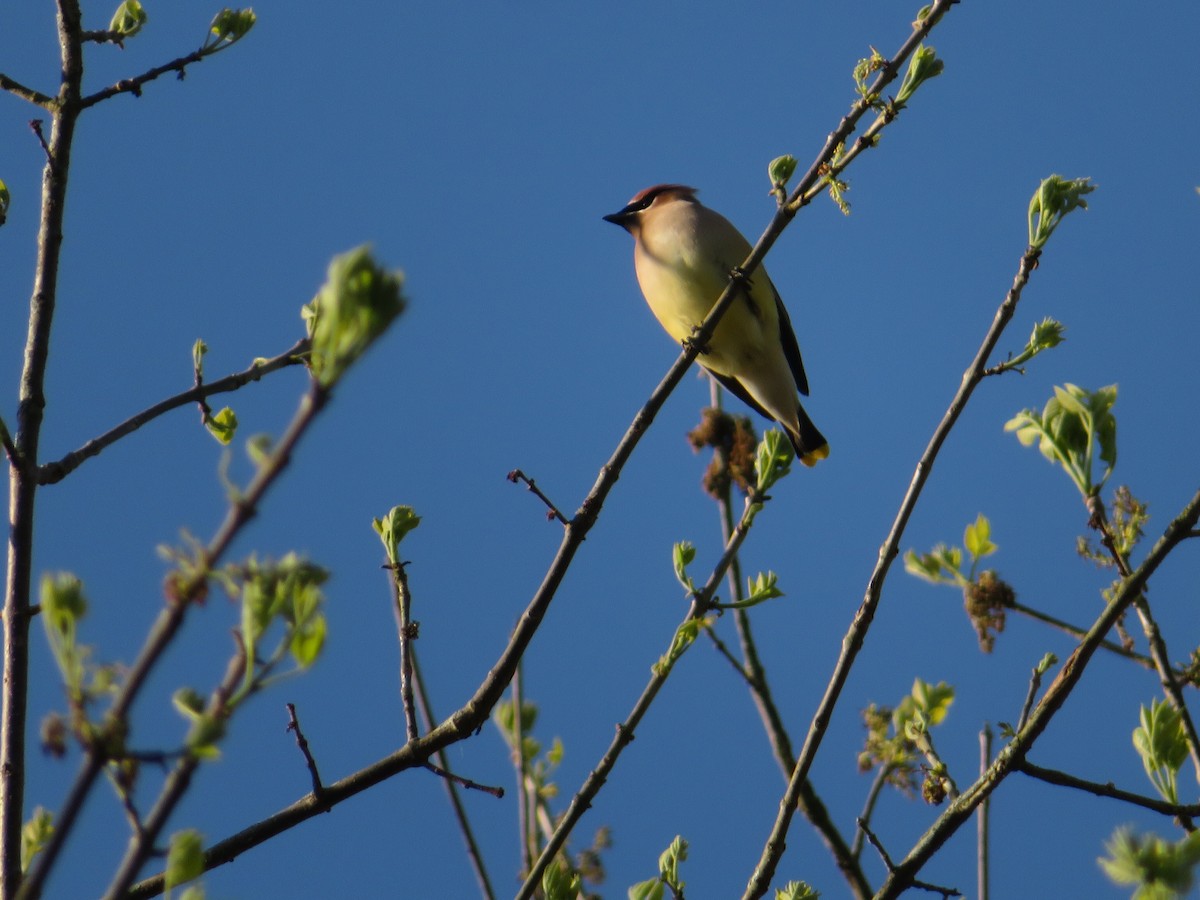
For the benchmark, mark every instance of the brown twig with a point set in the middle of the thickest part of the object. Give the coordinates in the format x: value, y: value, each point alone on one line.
x: 528, y: 842
x: 407, y: 631
x: 552, y: 511
x: 1185, y: 812
x: 1035, y: 682
x: 302, y: 743
x: 982, y: 845
x: 891, y: 866
x: 37, y: 98
x: 134, y: 85
x: 51, y: 473
x: 35, y: 125
x: 1077, y: 632
x: 460, y: 812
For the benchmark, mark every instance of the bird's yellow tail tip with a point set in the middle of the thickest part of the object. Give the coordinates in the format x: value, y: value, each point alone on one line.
x: 812, y: 457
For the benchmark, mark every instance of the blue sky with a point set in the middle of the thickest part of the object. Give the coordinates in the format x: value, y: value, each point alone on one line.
x: 476, y: 146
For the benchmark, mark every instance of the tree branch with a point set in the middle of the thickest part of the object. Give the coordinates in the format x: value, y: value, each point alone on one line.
x: 22, y: 475
x: 51, y: 473
x: 1182, y: 811
x: 134, y: 85
x: 37, y: 98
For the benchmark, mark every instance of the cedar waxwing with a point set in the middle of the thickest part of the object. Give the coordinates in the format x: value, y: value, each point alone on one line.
x: 684, y: 254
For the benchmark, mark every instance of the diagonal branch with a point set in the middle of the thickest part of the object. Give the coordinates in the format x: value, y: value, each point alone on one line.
x: 1183, y: 811
x: 51, y: 473
x: 134, y: 85
x: 37, y: 98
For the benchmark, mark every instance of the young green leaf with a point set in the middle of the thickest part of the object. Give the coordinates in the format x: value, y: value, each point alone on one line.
x: 780, y: 171
x: 1161, y: 742
x: 392, y: 528
x: 922, y: 65
x: 1055, y: 197
x: 128, y: 19
x: 223, y: 425
x: 682, y: 555
x: 1071, y: 426
x: 797, y: 890
x: 773, y: 460
x: 185, y: 858
x: 35, y: 834
x: 559, y: 883
x: 228, y: 27
x: 668, y: 865
x: 357, y: 303
x: 1160, y: 870
x: 977, y: 538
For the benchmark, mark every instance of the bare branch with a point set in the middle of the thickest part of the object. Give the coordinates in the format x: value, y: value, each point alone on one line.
x: 51, y: 473
x: 1185, y: 812
x: 19, y: 90
x: 134, y: 85
x: 302, y: 743
x: 553, y: 512
x: 460, y: 813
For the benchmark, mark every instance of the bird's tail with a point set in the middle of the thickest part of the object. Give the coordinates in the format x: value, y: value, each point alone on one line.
x: 810, y: 445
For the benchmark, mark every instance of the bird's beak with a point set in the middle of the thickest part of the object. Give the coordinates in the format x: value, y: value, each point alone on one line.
x: 623, y: 218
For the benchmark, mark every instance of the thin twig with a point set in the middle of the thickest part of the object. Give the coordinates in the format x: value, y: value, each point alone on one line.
x: 35, y: 125
x: 460, y: 812
x: 1035, y: 682
x: 10, y: 449
x: 521, y: 764
x: 1077, y: 632
x: 134, y: 85
x: 1185, y: 812
x: 56, y: 471
x: 19, y: 90
x: 302, y: 743
x: 982, y: 846
x: 406, y: 633
x: 877, y: 785
x: 552, y: 511
x: 891, y: 867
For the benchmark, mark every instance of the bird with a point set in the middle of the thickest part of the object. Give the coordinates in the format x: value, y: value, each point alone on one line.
x: 684, y: 255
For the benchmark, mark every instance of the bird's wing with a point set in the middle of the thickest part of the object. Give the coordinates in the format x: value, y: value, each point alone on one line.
x: 791, y: 349
x: 734, y: 387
